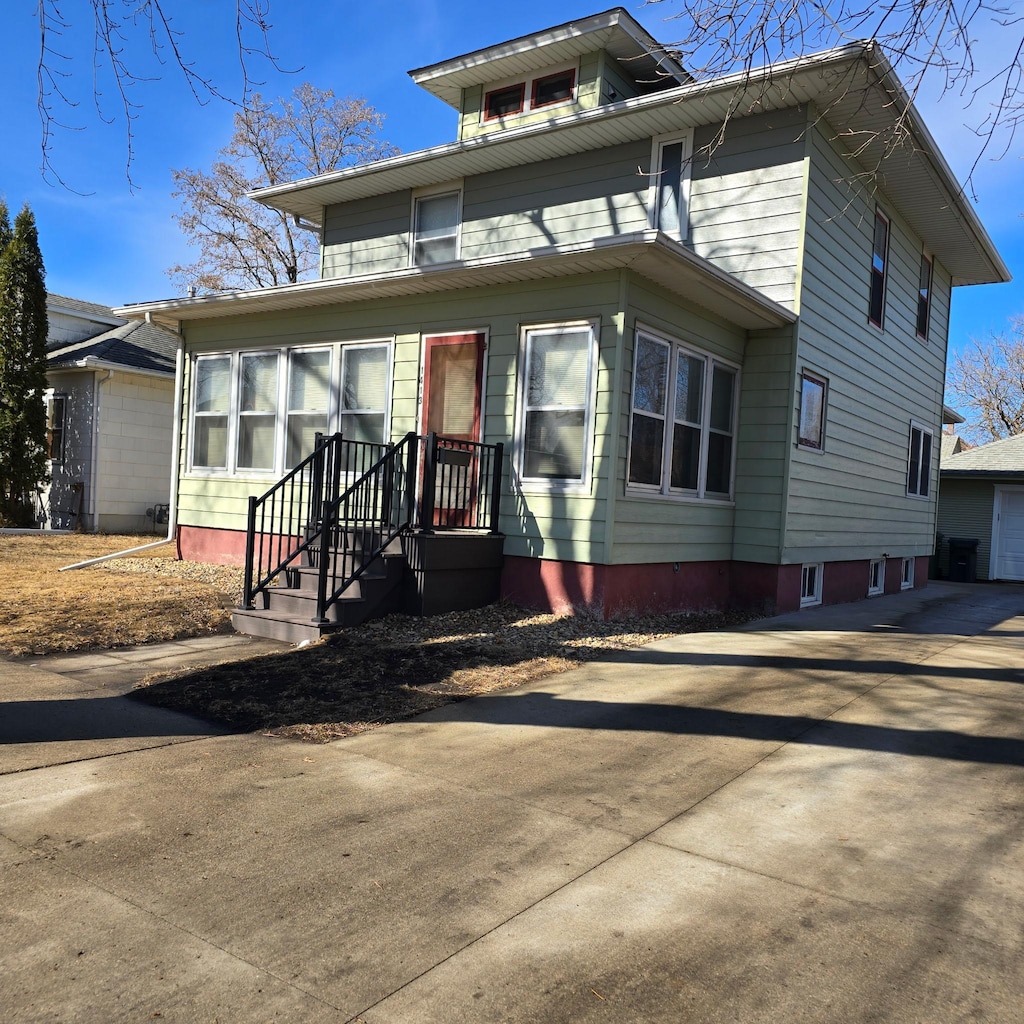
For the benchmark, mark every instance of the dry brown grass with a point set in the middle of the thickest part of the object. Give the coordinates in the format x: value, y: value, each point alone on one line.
x: 109, y: 605
x: 401, y: 666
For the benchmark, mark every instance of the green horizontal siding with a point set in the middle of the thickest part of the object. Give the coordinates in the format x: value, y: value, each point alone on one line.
x: 965, y: 510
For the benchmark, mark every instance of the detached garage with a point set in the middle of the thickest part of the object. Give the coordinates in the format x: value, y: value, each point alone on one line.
x: 981, y: 496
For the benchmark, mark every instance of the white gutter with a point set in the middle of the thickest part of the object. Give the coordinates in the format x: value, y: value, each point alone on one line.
x: 172, y: 519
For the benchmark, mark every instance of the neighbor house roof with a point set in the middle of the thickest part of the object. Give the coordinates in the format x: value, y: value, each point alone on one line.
x: 79, y: 307
x: 138, y: 346
x: 853, y: 86
x: 998, y: 458
x: 951, y: 444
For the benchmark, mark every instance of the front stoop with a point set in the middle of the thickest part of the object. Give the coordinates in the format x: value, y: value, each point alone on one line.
x: 428, y: 574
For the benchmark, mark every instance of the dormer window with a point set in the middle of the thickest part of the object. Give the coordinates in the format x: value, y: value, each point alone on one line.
x: 546, y: 90
x: 505, y: 102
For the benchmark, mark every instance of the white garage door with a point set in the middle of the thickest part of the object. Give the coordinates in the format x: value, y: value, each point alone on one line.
x: 1010, y: 539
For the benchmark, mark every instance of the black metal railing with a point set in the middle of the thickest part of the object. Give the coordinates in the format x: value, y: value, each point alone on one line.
x: 345, y: 503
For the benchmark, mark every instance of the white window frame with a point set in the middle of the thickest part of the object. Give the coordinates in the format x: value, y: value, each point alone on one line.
x: 805, y: 443
x: 665, y: 489
x: 811, y: 596
x: 907, y: 570
x: 880, y: 214
x: 243, y: 414
x: 333, y: 375
x: 876, y: 577
x: 55, y: 400
x: 911, y: 493
x: 284, y: 354
x: 436, y: 192
x: 556, y: 484
x: 528, y: 83
x: 658, y: 144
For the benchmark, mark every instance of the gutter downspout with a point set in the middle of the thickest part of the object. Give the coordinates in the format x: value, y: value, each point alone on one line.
x: 94, y: 454
x: 172, y: 519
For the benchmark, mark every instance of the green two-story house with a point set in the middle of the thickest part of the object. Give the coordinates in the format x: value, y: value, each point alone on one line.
x: 707, y: 321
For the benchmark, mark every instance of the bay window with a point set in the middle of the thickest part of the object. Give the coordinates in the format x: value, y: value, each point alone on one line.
x: 683, y: 423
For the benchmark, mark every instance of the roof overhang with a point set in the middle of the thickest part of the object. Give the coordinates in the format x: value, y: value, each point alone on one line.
x: 650, y: 254
x: 90, y: 364
x: 951, y: 416
x: 853, y: 88
x: 614, y: 31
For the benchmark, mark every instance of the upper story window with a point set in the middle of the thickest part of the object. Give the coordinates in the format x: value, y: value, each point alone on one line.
x: 669, y: 195
x: 879, y: 265
x: 436, y: 220
x: 924, y: 297
x: 522, y: 97
x: 919, y: 461
x: 683, y: 426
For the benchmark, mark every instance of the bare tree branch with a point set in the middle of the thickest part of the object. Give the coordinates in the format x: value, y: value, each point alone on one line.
x: 241, y: 243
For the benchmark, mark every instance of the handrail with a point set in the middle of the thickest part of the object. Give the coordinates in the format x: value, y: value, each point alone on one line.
x: 425, y: 482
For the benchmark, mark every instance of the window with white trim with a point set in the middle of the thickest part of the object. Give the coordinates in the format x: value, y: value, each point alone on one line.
x: 813, y: 394
x: 435, y: 228
x: 56, y: 424
x: 557, y: 403
x: 907, y: 574
x: 919, y: 461
x: 876, y: 577
x: 669, y: 196
x: 683, y: 423
x: 259, y: 412
x: 924, y: 297
x: 811, y: 574
x: 879, y: 267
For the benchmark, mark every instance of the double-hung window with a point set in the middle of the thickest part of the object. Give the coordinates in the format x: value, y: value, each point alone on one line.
x: 683, y: 424
x: 924, y: 297
x: 259, y: 412
x: 56, y: 421
x: 436, y: 228
x: 879, y: 266
x: 557, y: 403
x: 670, y: 185
x: 919, y: 461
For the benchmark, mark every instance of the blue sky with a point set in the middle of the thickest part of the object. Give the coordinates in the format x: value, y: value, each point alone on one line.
x: 113, y: 246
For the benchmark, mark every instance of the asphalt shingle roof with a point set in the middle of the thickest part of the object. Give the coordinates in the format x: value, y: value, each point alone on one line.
x: 80, y: 306
x: 1006, y: 456
x: 134, y: 345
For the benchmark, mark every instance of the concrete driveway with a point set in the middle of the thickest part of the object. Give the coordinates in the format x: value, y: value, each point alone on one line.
x: 817, y: 819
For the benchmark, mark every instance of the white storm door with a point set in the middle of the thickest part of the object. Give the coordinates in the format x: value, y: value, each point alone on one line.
x: 1009, y: 555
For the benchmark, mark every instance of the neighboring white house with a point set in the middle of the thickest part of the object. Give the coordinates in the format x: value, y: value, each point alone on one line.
x: 109, y: 413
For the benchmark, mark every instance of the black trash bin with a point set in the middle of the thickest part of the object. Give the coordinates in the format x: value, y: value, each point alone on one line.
x: 963, y: 559
x: 935, y: 561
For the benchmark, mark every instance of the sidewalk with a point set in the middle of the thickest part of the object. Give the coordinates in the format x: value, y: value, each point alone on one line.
x: 818, y: 818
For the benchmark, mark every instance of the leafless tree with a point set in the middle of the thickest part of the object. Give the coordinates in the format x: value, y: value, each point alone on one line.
x: 931, y: 44
x: 242, y: 244
x: 130, y: 43
x: 985, y: 382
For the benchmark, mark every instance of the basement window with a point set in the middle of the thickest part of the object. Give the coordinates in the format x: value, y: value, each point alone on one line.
x: 907, y: 574
x: 810, y: 583
x: 876, y: 577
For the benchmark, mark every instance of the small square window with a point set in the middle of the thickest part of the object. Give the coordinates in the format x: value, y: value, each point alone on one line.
x: 907, y: 574
x: 505, y: 102
x: 810, y: 584
x: 813, y: 391
x: 551, y: 89
x: 876, y: 577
